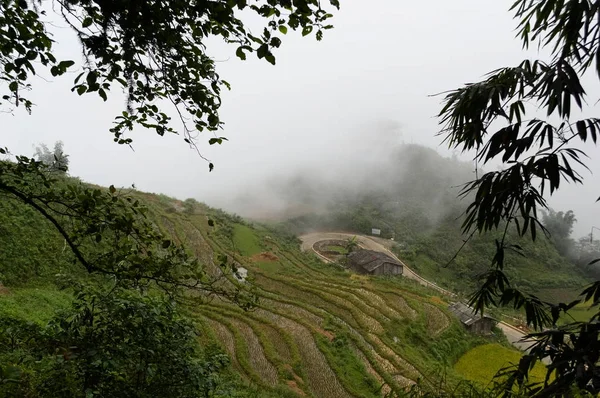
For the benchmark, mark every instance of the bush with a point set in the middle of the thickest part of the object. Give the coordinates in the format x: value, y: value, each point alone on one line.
x: 120, y: 344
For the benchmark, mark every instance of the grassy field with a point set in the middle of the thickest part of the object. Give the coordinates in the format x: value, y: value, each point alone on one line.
x: 245, y: 241
x: 336, y: 248
x: 580, y: 313
x: 33, y: 304
x: 483, y: 362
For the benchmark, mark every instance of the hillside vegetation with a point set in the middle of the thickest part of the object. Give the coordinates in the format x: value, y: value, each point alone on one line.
x: 316, y: 330
x: 412, y: 197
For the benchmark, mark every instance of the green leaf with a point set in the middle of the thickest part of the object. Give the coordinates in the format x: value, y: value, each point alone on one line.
x: 213, y: 120
x: 262, y: 51
x: 91, y: 78
x: 211, y: 223
x: 87, y: 22
x: 240, y: 53
x: 211, y: 167
x: 215, y: 141
x: 270, y: 58
x: 65, y: 64
x: 81, y: 89
x: 78, y: 77
x: 306, y: 30
x: 283, y: 29
x: 581, y: 129
x: 276, y: 42
x: 102, y: 94
x: 13, y: 86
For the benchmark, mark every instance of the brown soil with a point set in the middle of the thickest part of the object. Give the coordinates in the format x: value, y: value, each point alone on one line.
x: 4, y: 290
x: 294, y: 386
x: 437, y: 300
x: 326, y: 333
x: 264, y: 256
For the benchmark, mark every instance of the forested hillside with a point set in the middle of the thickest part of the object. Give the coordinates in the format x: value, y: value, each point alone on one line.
x: 413, y: 197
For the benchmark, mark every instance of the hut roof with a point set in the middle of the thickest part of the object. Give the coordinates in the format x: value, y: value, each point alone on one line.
x: 465, y: 313
x: 370, y: 260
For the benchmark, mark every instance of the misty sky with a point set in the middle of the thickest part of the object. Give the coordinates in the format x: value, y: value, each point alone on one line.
x: 366, y: 87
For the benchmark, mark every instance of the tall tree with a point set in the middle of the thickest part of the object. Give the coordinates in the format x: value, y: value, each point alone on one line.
x: 558, y: 223
x: 500, y: 119
x: 560, y: 226
x: 56, y: 160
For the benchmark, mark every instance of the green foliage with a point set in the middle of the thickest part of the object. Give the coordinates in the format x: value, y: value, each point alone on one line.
x: 433, y: 355
x: 110, y: 343
x: 337, y: 249
x: 30, y: 247
x: 108, y: 231
x: 348, y: 366
x: 189, y: 205
x: 540, y: 269
x: 538, y: 155
x: 154, y: 51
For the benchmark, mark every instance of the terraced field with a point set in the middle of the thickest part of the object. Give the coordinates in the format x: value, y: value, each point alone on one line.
x: 318, y: 330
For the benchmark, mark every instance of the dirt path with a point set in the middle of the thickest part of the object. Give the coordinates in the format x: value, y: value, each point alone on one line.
x: 514, y: 335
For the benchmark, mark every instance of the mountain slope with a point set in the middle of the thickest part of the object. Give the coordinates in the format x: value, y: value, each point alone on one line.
x: 316, y: 331
x: 412, y: 197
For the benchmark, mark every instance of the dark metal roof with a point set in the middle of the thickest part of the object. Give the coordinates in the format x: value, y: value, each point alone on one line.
x: 370, y: 260
x: 465, y: 313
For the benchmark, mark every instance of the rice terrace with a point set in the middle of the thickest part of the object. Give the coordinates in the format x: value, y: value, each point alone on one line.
x: 318, y: 329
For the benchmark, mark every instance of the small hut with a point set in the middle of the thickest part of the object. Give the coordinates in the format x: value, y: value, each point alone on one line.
x: 373, y: 263
x: 473, y: 322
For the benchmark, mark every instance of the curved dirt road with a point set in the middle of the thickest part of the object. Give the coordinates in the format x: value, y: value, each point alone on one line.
x: 365, y: 242
x: 514, y: 335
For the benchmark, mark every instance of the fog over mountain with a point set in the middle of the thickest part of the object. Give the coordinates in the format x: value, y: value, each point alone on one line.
x: 329, y: 111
